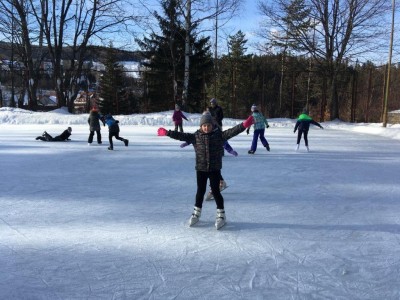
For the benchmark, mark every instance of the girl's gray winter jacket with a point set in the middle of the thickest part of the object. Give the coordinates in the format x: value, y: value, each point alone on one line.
x: 209, y: 147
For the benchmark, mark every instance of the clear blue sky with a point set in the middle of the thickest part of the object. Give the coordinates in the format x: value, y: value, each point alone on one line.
x: 247, y: 21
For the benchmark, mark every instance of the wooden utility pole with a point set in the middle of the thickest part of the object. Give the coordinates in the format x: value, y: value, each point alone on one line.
x: 216, y: 53
x: 188, y: 52
x: 385, y: 112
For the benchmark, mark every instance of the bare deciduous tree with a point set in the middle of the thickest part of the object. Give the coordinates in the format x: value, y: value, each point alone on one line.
x: 16, y: 25
x: 71, y: 25
x: 64, y: 28
x: 338, y: 30
x: 196, y: 12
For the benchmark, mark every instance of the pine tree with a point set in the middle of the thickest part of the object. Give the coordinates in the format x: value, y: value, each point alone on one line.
x: 200, y: 74
x: 164, y: 62
x: 234, y: 81
x: 112, y: 94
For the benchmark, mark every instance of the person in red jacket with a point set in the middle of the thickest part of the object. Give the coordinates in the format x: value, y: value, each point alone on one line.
x: 178, y: 117
x: 94, y: 125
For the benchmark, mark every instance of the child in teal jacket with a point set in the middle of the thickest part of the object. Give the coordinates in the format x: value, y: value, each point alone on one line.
x: 260, y: 122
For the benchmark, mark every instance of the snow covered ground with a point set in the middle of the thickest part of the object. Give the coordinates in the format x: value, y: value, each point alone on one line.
x: 82, y: 222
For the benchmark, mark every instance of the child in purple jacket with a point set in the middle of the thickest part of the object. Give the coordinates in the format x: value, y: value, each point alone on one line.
x: 178, y: 117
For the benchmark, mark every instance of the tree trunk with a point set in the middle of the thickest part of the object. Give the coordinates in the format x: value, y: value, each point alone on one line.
x: 188, y: 26
x: 334, y: 101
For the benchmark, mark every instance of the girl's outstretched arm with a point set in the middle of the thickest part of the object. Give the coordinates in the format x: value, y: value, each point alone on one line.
x: 181, y: 136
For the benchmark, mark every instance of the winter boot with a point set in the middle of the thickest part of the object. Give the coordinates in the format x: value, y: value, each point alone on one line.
x: 221, y: 219
x: 126, y: 142
x: 222, y: 185
x: 297, y: 147
x: 195, y: 216
x: 267, y: 146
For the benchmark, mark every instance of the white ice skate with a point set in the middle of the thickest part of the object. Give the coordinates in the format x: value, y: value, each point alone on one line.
x: 209, y: 196
x: 221, y: 219
x: 308, y: 149
x: 297, y: 147
x: 222, y: 185
x: 195, y: 216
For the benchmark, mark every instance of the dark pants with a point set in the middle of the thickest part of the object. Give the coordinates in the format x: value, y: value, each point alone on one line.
x: 305, y: 135
x: 48, y: 138
x: 180, y: 127
x: 45, y: 137
x: 116, y: 135
x: 258, y: 133
x: 202, y: 178
x: 90, y: 140
x: 57, y: 139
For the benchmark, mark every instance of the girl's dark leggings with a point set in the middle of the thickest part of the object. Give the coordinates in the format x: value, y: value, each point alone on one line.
x: 202, y: 178
x: 305, y: 134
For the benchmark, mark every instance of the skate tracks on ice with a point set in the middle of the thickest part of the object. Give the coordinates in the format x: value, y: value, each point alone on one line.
x: 79, y: 223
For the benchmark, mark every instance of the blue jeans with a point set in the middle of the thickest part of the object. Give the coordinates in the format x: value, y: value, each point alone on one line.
x: 258, y: 133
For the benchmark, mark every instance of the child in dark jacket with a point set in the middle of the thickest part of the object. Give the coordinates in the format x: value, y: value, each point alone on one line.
x: 216, y: 111
x: 178, y: 117
x: 208, y: 144
x: 94, y: 125
x: 113, y: 131
x: 64, y: 136
x: 303, y: 124
x: 227, y: 147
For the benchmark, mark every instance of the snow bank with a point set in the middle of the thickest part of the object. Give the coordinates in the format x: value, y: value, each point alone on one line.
x: 62, y: 116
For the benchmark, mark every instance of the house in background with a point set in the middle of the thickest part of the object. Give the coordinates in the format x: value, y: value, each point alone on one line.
x: 394, y: 117
x: 49, y: 99
x: 84, y: 102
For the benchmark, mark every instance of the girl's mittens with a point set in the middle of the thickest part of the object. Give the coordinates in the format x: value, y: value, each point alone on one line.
x: 248, y: 122
x: 161, y: 131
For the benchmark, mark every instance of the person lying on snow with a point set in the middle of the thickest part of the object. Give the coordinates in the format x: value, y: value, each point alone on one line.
x: 59, y: 138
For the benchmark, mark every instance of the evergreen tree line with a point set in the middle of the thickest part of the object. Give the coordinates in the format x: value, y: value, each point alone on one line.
x: 281, y: 84
x: 240, y: 80
x: 283, y: 87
